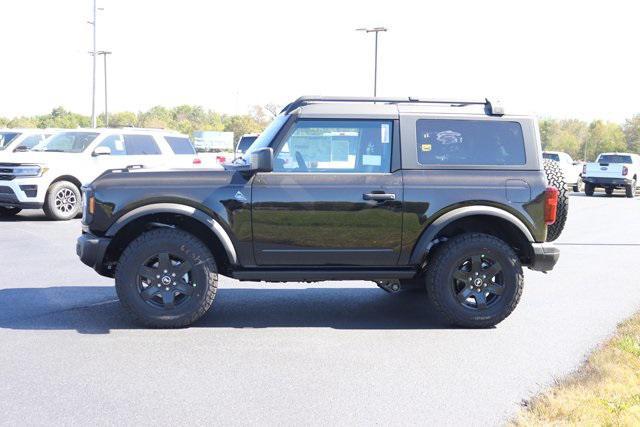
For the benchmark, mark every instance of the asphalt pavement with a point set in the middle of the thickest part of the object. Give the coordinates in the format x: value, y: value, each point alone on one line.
x: 274, y: 354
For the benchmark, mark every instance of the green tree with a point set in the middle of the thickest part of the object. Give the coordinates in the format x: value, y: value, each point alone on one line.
x: 156, y: 117
x: 240, y: 125
x: 120, y: 119
x: 631, y: 130
x: 604, y: 137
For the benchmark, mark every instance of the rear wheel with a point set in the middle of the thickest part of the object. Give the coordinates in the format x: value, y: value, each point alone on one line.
x: 166, y: 278
x: 556, y: 178
x: 6, y: 212
x: 63, y: 201
x: 474, y: 280
x: 578, y: 187
x: 589, y: 189
x: 630, y: 190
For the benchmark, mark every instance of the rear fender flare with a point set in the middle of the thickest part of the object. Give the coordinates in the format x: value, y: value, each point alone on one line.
x: 426, y: 240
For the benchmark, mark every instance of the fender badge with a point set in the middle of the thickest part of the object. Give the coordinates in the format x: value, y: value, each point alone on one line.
x: 240, y: 197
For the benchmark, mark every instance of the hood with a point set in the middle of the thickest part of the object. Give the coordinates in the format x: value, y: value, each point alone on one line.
x: 35, y: 157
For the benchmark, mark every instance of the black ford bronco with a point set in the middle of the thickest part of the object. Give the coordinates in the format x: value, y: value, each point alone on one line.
x: 450, y: 196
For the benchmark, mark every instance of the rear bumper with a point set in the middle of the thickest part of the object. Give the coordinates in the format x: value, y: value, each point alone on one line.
x: 608, y: 182
x: 91, y: 251
x: 545, y: 256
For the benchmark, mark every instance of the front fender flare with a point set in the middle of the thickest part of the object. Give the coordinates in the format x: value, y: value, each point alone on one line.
x: 424, y: 244
x: 180, y: 209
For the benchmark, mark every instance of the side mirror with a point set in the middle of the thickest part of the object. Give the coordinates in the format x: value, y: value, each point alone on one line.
x: 101, y: 151
x: 262, y: 160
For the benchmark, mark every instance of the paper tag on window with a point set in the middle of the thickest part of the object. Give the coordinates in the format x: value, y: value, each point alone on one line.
x: 384, y: 133
x: 370, y: 160
x: 119, y: 145
x: 426, y: 147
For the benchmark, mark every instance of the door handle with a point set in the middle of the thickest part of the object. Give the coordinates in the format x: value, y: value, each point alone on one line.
x: 379, y: 196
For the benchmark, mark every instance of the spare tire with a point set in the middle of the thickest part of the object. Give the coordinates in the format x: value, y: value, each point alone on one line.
x: 556, y: 178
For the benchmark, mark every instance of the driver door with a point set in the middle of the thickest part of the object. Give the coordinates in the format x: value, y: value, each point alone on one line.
x: 331, y: 199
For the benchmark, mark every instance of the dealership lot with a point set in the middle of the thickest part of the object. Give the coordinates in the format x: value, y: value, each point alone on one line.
x: 314, y: 353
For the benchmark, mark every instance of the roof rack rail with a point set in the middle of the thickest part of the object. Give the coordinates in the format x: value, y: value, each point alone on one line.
x: 493, y: 107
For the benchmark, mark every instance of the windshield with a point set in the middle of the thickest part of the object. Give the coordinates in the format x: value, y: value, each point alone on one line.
x: 267, y: 135
x: 551, y: 156
x: 614, y: 158
x: 245, y: 142
x: 67, y: 142
x: 6, y: 138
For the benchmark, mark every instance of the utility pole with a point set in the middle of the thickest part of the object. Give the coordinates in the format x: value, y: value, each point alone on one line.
x: 104, y: 53
x: 375, y: 30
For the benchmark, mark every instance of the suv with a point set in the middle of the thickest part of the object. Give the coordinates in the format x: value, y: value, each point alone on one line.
x: 450, y: 196
x: 51, y: 174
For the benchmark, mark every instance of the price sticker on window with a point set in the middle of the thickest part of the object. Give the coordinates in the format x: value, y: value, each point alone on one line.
x: 384, y: 133
x: 426, y: 147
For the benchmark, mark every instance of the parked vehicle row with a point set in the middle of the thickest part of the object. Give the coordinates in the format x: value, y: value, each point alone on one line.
x: 571, y: 169
x: 50, y: 174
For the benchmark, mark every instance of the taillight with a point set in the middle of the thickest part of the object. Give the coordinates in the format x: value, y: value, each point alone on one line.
x: 625, y: 171
x: 221, y: 159
x: 197, y: 161
x: 584, y: 169
x: 550, y: 205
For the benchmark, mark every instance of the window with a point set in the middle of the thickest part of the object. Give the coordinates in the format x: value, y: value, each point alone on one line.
x: 551, y: 156
x: 6, y: 138
x: 115, y: 143
x: 245, y: 142
x: 67, y: 142
x: 336, y: 146
x: 469, y: 142
x: 180, y: 145
x: 29, y: 142
x: 614, y: 158
x: 137, y: 145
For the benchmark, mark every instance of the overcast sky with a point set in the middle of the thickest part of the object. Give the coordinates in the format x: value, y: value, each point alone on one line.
x: 551, y: 58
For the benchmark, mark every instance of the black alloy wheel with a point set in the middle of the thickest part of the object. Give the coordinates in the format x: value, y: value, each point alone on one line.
x: 478, y: 282
x: 165, y: 280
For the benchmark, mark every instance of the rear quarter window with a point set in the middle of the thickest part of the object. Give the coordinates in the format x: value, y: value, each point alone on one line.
x: 469, y: 142
x: 180, y: 145
x: 137, y: 145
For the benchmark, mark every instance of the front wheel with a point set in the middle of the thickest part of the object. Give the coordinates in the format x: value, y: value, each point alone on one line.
x: 589, y: 189
x: 63, y: 201
x: 166, y: 278
x: 474, y: 280
x: 7, y: 212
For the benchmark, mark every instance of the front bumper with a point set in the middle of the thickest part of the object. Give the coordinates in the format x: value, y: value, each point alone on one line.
x: 91, y: 251
x: 607, y: 182
x: 23, y: 193
x: 545, y: 256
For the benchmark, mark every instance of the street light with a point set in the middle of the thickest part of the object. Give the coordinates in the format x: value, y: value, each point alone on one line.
x: 93, y: 52
x: 375, y: 30
x: 104, y: 53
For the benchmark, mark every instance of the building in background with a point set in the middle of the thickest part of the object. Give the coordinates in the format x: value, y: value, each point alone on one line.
x: 209, y: 141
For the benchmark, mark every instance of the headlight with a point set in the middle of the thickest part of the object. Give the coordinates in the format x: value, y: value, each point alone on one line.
x: 34, y: 170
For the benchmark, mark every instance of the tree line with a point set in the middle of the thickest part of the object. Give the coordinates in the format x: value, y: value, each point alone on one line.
x: 580, y: 139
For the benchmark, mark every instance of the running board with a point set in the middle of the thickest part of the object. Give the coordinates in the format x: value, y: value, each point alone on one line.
x: 319, y: 274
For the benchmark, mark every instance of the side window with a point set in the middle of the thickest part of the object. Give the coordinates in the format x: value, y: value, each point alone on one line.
x: 336, y: 146
x: 180, y: 145
x: 469, y: 142
x: 115, y: 143
x: 137, y: 145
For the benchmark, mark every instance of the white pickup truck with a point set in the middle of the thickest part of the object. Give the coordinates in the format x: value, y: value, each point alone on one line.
x: 611, y: 171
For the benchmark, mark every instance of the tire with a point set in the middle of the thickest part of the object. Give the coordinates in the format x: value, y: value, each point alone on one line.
x: 171, y: 291
x: 608, y: 191
x: 556, y: 179
x: 630, y: 190
x: 578, y: 187
x: 7, y: 212
x: 481, y: 308
x: 589, y: 189
x: 63, y: 201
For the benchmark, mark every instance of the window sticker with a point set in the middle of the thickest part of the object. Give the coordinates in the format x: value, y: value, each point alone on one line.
x: 119, y: 144
x: 426, y: 147
x: 371, y: 160
x: 384, y: 133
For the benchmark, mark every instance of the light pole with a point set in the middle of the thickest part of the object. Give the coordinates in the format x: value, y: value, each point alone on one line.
x: 104, y: 53
x: 93, y: 52
x: 375, y: 30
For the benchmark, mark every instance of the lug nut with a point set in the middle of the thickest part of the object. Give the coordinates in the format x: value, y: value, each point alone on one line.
x: 166, y: 289
x: 173, y: 274
x: 165, y: 271
x: 158, y: 276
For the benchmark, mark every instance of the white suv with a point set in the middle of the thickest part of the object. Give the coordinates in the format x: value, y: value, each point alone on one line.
x: 571, y: 169
x: 51, y: 174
